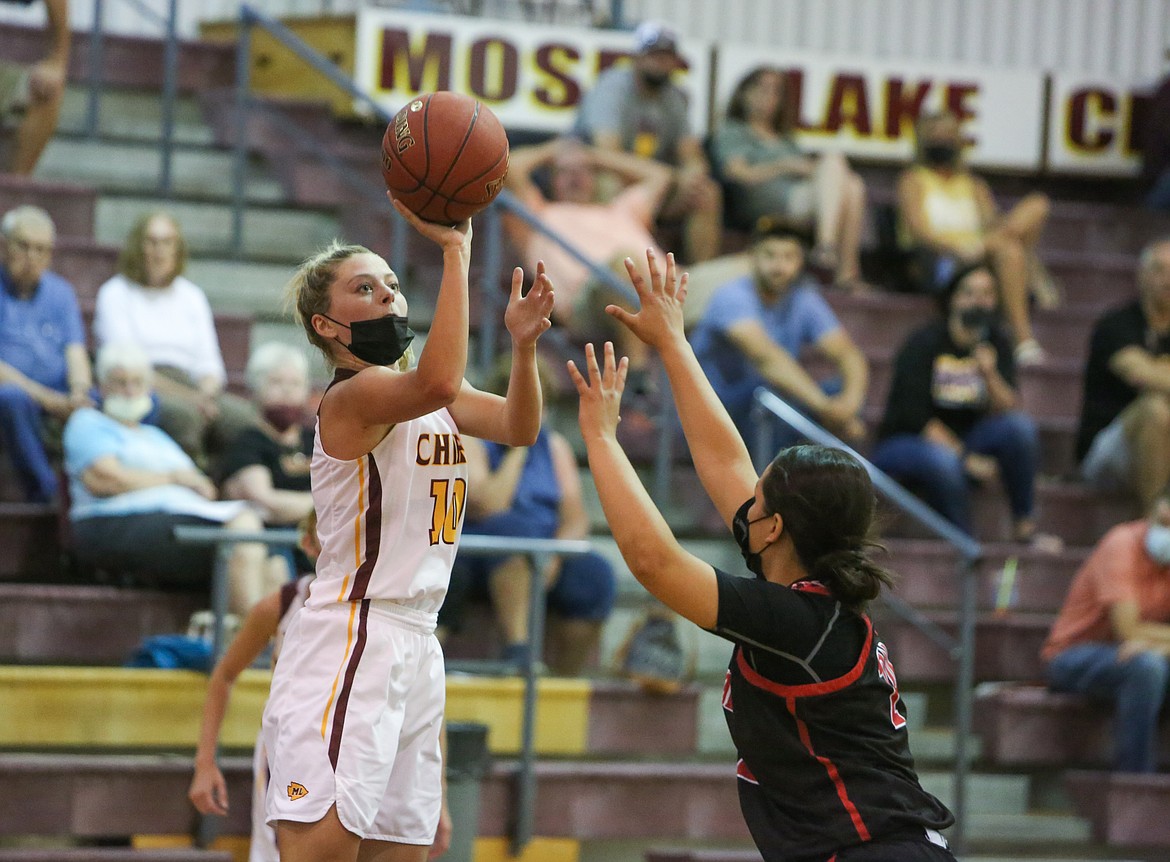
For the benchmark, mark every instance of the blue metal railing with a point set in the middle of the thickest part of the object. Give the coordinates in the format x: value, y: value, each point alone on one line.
x: 768, y: 408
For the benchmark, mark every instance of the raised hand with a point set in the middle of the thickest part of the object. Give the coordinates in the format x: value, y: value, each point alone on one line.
x: 527, y: 315
x: 456, y: 236
x: 659, y: 320
x: 601, y: 395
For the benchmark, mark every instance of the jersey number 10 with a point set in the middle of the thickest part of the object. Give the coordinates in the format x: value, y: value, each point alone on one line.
x: 448, y: 496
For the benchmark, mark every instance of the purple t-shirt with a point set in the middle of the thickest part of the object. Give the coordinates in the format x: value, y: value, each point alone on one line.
x: 797, y: 320
x: 34, y: 332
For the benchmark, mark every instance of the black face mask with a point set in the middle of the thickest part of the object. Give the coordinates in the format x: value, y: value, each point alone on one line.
x: 739, y: 529
x: 380, y: 341
x: 977, y: 320
x: 655, y: 80
x: 940, y: 154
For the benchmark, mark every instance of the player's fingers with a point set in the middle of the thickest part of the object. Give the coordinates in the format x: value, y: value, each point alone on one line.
x: 623, y: 370
x: 652, y: 265
x: 620, y: 314
x: 636, y: 279
x: 610, y: 369
x: 539, y: 268
x: 681, y: 293
x: 575, y: 376
x: 671, y: 272
x: 517, y: 282
x: 591, y: 365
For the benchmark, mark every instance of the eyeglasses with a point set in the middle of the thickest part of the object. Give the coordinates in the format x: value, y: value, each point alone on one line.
x: 32, y: 249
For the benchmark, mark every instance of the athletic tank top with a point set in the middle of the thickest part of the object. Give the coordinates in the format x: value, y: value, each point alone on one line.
x: 389, y: 522
x: 950, y: 206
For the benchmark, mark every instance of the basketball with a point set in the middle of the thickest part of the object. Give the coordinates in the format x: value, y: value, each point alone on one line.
x: 445, y: 156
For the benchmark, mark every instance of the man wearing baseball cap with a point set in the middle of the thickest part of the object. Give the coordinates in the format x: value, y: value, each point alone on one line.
x: 636, y: 108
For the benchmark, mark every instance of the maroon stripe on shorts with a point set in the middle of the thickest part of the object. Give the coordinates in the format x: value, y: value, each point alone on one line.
x: 361, y: 579
x: 347, y: 686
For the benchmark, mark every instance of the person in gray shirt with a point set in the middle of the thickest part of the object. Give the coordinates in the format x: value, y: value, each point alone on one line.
x: 637, y: 109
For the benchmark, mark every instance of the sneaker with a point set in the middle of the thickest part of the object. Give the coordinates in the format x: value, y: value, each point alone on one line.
x: 653, y: 657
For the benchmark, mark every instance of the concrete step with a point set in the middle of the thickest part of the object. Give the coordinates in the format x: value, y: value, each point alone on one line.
x: 244, y: 286
x: 270, y: 234
x: 133, y: 115
x: 70, y: 205
x: 133, y: 167
x: 1125, y: 810
x: 29, y: 536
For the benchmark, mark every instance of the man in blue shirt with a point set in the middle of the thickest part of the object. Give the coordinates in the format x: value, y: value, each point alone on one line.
x: 756, y: 328
x: 44, y: 367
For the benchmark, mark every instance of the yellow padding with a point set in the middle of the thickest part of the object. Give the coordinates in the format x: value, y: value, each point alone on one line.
x: 61, y: 707
x: 237, y: 845
x: 538, y: 850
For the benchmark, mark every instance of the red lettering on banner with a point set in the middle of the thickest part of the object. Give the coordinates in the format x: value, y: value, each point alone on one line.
x: 848, y: 105
x: 1090, y: 117
x: 903, y: 108
x: 551, y: 59
x: 506, y: 60
x: 428, y: 69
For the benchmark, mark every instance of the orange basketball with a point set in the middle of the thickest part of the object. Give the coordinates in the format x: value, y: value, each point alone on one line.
x: 445, y: 156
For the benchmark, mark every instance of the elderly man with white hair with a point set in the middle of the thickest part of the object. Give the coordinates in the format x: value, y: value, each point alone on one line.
x: 44, y: 368
x: 131, y: 485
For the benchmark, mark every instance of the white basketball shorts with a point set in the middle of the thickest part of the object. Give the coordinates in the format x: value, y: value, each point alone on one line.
x: 354, y: 718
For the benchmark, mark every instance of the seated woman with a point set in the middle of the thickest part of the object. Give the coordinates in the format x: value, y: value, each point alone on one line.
x: 268, y: 463
x: 131, y: 485
x: 765, y: 173
x: 150, y: 303
x: 948, y: 218
x: 953, y: 414
x: 532, y: 492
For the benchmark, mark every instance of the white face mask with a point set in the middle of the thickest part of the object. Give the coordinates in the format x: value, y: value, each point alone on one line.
x: 1158, y: 544
x: 122, y: 408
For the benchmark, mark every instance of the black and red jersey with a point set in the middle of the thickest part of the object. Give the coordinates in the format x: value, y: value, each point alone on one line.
x: 812, y: 703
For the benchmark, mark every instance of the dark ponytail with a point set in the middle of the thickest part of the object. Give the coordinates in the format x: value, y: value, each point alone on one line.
x: 827, y: 502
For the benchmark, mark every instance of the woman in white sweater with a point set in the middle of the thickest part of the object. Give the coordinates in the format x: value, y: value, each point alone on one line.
x: 151, y: 304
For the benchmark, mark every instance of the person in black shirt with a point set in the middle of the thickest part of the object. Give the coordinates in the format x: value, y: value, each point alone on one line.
x: 952, y: 415
x: 811, y: 697
x: 1123, y: 442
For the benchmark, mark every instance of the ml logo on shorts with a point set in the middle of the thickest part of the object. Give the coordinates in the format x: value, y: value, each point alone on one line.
x: 296, y: 791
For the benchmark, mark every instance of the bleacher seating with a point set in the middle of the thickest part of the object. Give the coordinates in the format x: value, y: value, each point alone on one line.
x: 640, y: 772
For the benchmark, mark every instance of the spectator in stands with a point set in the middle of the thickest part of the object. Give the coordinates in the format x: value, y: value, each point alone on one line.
x: 953, y: 413
x: 44, y: 368
x: 765, y: 173
x: 150, y: 303
x: 265, y: 624
x: 531, y: 492
x: 1156, y: 147
x: 755, y: 329
x: 636, y: 109
x: 32, y: 95
x: 131, y: 485
x: 1124, y: 438
x: 948, y: 217
x: 606, y: 233
x: 1112, y: 636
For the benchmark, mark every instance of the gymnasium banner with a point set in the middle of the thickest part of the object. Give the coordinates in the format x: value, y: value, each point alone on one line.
x: 532, y: 76
x: 867, y: 107
x: 1095, y: 126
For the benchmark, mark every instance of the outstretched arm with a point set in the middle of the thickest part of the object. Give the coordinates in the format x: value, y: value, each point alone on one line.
x: 678, y: 579
x: 720, y: 455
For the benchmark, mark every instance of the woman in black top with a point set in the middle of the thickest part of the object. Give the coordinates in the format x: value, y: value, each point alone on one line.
x: 811, y: 698
x: 953, y: 413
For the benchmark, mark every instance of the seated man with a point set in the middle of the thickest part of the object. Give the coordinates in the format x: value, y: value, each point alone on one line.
x: 1112, y: 636
x: 636, y: 109
x: 754, y: 330
x: 1124, y: 436
x: 606, y: 233
x: 44, y: 369
x: 532, y: 492
x: 131, y: 485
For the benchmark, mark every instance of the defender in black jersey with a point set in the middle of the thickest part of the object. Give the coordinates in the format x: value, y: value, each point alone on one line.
x: 811, y: 697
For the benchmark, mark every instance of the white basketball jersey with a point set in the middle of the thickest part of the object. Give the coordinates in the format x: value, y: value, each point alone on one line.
x: 389, y: 522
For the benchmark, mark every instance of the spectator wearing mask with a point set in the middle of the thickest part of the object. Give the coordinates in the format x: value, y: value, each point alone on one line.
x: 1111, y: 639
x: 636, y: 109
x: 949, y: 218
x: 953, y: 416
x: 44, y: 368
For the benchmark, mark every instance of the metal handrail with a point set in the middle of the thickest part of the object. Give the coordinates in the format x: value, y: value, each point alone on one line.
x: 960, y: 649
x: 169, y: 23
x: 537, y: 550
